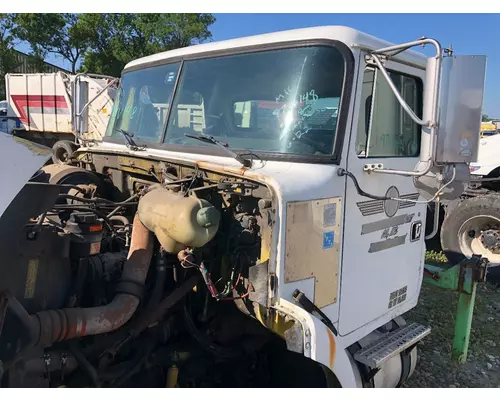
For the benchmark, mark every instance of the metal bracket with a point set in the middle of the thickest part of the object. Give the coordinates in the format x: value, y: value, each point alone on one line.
x: 463, y: 279
x: 372, y: 167
x: 370, y: 59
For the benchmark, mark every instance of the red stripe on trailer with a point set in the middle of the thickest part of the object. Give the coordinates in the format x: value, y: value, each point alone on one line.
x: 22, y: 103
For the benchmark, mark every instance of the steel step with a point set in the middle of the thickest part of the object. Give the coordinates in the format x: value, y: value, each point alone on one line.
x: 391, y: 344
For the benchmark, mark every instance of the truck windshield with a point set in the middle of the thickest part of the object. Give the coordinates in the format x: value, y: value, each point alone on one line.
x: 142, y: 103
x: 279, y: 101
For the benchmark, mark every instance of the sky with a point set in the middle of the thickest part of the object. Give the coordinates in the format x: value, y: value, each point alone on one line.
x: 467, y: 33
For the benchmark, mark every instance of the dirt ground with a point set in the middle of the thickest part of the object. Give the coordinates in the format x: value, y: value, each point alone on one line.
x: 435, y: 368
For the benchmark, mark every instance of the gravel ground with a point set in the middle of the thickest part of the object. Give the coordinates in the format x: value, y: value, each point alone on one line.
x: 435, y: 369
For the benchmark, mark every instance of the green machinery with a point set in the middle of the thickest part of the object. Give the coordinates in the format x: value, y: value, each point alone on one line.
x: 463, y: 279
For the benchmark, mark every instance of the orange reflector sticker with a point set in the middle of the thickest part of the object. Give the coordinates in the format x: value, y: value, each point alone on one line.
x: 95, y: 228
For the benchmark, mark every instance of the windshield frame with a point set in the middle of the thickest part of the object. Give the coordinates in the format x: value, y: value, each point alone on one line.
x: 343, y: 110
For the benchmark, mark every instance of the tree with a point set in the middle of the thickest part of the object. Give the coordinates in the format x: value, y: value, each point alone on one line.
x: 116, y: 39
x: 105, y: 42
x: 485, y: 118
x: 8, y: 57
x: 61, y: 34
x: 172, y: 31
x: 37, y: 62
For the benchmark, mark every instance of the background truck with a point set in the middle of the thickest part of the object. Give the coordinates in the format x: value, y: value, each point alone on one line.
x: 471, y: 224
x: 59, y: 110
x: 211, y: 239
x: 488, y: 129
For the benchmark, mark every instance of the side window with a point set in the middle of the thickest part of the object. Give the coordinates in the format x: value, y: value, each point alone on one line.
x: 385, y: 129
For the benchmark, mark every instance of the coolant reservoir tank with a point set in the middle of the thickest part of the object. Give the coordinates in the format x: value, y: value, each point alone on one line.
x: 177, y: 221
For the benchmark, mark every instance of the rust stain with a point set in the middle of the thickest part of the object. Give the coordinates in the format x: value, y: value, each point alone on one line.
x: 333, y: 347
x: 243, y: 171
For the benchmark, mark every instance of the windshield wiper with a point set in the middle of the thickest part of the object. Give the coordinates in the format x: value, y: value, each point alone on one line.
x: 209, y: 139
x: 131, y: 144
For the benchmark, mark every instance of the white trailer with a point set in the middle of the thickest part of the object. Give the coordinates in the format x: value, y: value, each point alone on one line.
x: 290, y: 212
x: 59, y: 109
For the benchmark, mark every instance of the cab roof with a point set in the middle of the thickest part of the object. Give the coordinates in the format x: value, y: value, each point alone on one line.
x: 349, y: 36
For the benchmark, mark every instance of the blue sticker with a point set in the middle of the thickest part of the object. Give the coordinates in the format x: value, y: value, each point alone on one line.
x: 328, y: 240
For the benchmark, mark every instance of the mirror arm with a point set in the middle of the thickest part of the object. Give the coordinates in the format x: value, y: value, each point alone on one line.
x: 400, y: 99
x: 375, y: 58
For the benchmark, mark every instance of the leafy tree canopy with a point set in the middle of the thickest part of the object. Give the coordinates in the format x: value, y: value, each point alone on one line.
x: 102, y: 43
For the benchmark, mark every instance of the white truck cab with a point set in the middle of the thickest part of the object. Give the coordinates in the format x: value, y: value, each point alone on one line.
x: 330, y: 141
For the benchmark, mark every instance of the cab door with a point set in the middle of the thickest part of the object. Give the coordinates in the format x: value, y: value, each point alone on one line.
x: 383, y: 240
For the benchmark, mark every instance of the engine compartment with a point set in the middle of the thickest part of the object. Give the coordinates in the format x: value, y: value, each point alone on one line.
x: 123, y: 272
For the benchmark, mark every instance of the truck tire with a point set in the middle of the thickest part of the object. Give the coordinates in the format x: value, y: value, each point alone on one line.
x: 472, y: 227
x: 62, y: 151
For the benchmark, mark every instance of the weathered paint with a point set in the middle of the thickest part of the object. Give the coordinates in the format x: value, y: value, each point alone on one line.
x: 463, y: 323
x: 135, y: 165
x: 317, y: 339
x: 462, y: 278
x: 318, y: 257
x: 31, y: 278
x: 333, y: 348
x: 265, y: 247
x: 272, y: 319
x: 286, y: 182
x: 43, y: 106
x: 297, y: 182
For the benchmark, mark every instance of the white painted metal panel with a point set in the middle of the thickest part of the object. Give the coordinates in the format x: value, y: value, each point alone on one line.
x: 381, y: 267
x: 19, y: 160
